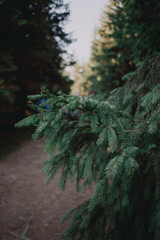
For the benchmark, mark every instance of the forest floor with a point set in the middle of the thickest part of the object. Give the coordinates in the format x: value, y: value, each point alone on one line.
x: 26, y: 202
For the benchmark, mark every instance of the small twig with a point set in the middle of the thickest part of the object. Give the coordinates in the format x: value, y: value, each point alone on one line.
x: 138, y: 120
x: 13, y: 234
x: 19, y: 237
x: 23, y: 236
x: 57, y: 234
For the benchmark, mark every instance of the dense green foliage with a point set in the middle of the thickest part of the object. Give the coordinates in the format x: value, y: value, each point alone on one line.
x: 114, y: 143
x: 31, y: 48
x: 129, y: 32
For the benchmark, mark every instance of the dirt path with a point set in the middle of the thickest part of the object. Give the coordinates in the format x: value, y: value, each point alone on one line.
x: 25, y: 197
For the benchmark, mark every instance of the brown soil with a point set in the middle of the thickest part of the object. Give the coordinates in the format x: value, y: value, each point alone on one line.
x: 25, y: 199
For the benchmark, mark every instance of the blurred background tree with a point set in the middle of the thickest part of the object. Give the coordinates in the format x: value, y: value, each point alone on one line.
x: 129, y: 33
x: 79, y: 75
x: 31, y: 52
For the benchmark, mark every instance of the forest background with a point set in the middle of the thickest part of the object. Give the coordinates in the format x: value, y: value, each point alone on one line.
x: 115, y: 130
x: 33, y: 49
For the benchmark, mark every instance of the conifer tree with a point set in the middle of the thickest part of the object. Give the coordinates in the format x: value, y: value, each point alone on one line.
x: 111, y: 142
x: 31, y: 48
